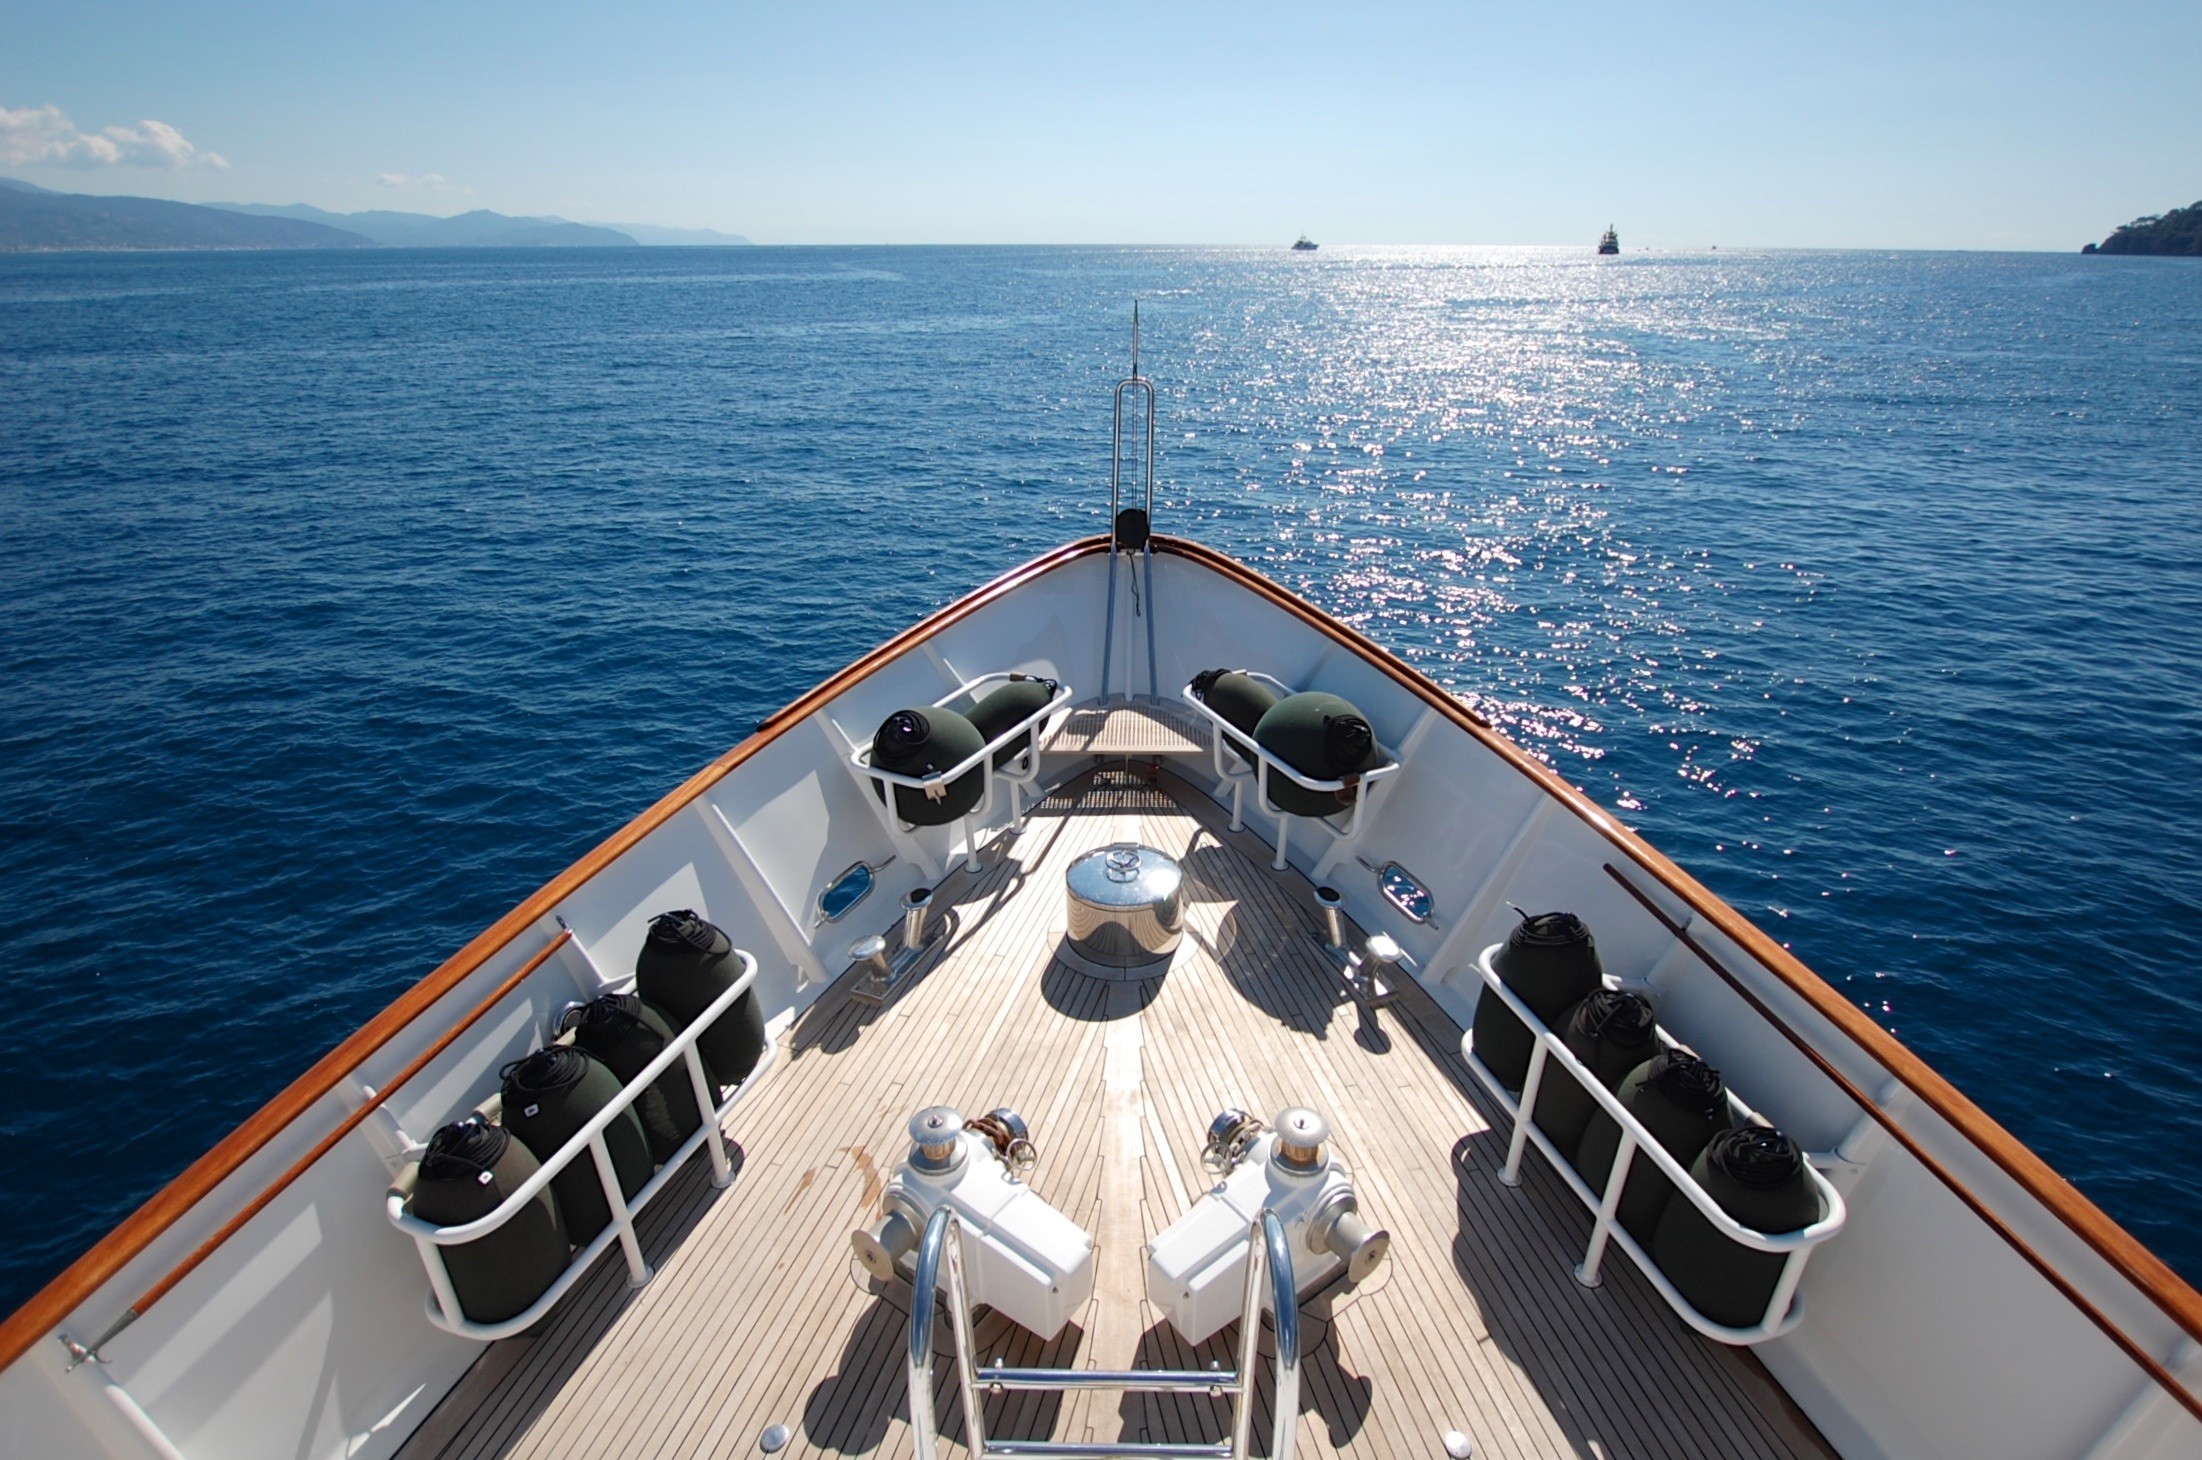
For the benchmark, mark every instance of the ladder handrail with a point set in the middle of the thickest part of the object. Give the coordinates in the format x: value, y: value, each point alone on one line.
x: 1138, y: 385
x: 1285, y: 1300
x: 1132, y: 382
x: 1268, y: 1258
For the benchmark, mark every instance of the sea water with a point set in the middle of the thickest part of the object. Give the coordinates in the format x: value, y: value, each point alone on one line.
x: 348, y: 597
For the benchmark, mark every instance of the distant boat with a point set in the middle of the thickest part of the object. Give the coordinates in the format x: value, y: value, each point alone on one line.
x: 1305, y: 245
x: 1611, y: 243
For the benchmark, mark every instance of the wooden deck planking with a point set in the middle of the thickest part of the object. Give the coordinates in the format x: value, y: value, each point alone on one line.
x: 1119, y: 728
x: 759, y: 1315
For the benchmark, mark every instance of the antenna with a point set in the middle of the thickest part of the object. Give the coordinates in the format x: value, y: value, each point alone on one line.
x: 1135, y: 338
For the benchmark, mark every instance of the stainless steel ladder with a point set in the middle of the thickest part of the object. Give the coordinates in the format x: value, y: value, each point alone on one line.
x: 1268, y: 1257
x: 1143, y: 390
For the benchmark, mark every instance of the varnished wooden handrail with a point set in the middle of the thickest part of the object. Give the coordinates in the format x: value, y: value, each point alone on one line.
x: 2133, y: 1350
x: 2109, y: 1241
x: 51, y: 1305
x: 326, y: 1144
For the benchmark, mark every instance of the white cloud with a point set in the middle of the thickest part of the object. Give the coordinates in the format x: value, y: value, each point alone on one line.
x: 429, y: 182
x: 44, y: 136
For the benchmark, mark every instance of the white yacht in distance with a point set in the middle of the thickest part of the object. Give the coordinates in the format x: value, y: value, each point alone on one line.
x: 1128, y: 1013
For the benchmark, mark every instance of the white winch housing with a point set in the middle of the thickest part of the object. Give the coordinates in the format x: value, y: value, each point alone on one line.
x: 1196, y: 1268
x: 1021, y: 1256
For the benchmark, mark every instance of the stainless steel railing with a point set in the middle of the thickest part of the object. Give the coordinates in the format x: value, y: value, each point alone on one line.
x: 1268, y: 1273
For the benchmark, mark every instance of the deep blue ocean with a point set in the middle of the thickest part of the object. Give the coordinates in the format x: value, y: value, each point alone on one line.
x: 348, y: 597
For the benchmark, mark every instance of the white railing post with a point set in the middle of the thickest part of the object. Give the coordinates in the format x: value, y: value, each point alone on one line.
x: 722, y: 1168
x: 941, y: 1247
x: 638, y: 1271
x: 596, y: 970
x: 1785, y: 1286
x: 1284, y: 822
x: 1511, y: 1173
x: 970, y: 843
x: 1586, y: 1271
x: 439, y: 1279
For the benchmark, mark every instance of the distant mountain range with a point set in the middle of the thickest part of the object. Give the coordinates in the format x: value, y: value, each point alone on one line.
x: 478, y: 229
x: 35, y: 218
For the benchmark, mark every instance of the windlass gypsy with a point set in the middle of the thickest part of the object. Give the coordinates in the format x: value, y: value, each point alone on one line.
x: 1025, y: 1259
x: 1196, y: 1268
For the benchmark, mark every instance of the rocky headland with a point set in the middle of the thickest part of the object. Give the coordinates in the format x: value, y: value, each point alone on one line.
x: 2176, y: 232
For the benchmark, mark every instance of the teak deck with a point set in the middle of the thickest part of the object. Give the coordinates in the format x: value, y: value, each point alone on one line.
x: 1121, y: 728
x: 759, y: 1314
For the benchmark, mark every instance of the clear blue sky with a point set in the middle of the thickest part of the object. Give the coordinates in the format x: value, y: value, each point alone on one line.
x: 2015, y: 125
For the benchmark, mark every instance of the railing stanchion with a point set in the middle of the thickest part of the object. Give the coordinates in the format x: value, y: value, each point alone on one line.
x: 1785, y: 1287
x: 439, y: 1279
x: 638, y: 1271
x: 1586, y: 1271
x: 1284, y: 822
x: 1154, y: 686
x: 1108, y: 611
x: 707, y: 1106
x: 1238, y: 780
x: 1511, y: 1173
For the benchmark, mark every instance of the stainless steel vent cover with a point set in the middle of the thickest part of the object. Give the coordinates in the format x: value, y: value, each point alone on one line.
x: 1127, y: 909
